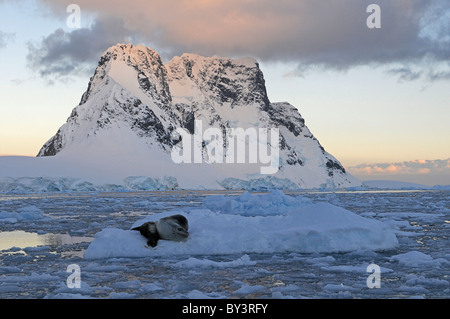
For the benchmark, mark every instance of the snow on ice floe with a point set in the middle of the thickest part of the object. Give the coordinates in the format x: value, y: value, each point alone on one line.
x: 253, y: 225
x: 247, y: 204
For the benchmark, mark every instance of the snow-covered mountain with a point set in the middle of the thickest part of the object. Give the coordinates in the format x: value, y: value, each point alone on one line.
x: 134, y: 102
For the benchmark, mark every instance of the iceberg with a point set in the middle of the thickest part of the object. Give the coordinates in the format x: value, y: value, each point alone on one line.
x: 69, y: 184
x: 261, y: 183
x: 142, y: 183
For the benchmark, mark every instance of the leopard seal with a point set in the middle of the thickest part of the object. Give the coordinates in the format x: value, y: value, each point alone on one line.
x: 173, y: 228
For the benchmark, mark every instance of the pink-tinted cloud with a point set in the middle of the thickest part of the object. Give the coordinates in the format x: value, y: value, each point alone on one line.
x: 328, y: 33
x: 265, y: 28
x: 416, y: 167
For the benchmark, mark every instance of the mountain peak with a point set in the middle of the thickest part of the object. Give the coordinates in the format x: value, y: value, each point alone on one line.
x: 134, y: 103
x: 231, y: 81
x: 129, y: 48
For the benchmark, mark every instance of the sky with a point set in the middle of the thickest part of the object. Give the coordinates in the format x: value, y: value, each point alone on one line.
x: 378, y: 99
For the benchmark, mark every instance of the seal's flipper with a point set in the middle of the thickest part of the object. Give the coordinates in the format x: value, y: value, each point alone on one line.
x: 149, y: 231
x: 153, y: 241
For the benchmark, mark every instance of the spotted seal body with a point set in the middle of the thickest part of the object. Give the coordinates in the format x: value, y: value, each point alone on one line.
x: 173, y: 228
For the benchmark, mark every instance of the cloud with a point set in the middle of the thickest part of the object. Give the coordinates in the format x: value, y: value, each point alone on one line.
x: 405, y: 74
x: 416, y: 167
x: 443, y: 74
x: 67, y: 53
x: 329, y: 34
x: 5, y: 38
x: 429, y: 70
x: 2, y: 40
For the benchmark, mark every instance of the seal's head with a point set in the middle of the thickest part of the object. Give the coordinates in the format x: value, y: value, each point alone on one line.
x: 173, y: 228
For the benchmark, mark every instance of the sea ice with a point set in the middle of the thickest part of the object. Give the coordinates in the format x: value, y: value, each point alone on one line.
x: 417, y: 259
x: 251, y: 242
x: 247, y: 289
x: 28, y: 213
x: 298, y: 227
x: 206, y: 263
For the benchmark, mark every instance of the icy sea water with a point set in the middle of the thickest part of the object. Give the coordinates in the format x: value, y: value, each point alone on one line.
x: 35, y: 251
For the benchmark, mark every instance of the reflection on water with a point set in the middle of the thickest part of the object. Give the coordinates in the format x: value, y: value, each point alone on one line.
x: 22, y: 239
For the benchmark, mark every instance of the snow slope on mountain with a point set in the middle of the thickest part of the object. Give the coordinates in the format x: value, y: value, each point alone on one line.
x: 125, y: 122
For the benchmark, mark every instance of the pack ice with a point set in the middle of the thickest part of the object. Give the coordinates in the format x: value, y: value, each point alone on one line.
x: 253, y: 223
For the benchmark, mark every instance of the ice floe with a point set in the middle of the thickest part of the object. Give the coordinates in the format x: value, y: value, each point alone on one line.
x: 251, y: 224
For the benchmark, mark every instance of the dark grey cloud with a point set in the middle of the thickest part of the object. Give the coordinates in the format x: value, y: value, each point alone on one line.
x: 405, y: 73
x: 63, y: 53
x: 427, y: 70
x: 326, y: 34
x: 439, y: 75
x: 413, y: 42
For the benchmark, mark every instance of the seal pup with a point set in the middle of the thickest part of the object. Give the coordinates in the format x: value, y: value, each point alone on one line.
x: 173, y: 228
